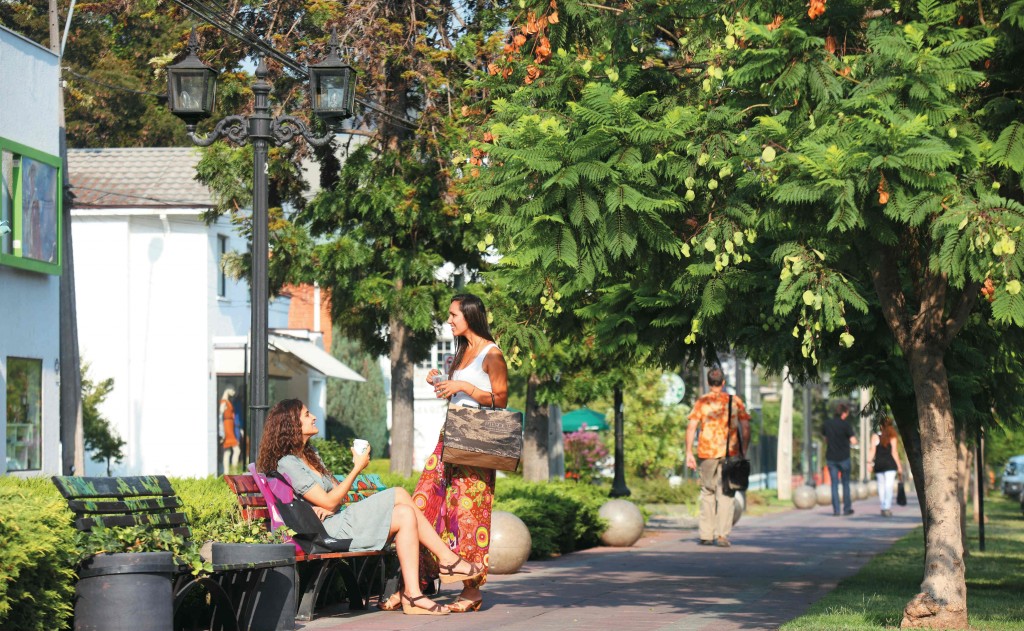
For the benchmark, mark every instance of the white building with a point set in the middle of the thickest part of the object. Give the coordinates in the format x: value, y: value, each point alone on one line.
x: 30, y: 256
x: 157, y: 313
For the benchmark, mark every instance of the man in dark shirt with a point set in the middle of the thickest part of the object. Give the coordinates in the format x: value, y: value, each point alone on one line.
x: 839, y: 435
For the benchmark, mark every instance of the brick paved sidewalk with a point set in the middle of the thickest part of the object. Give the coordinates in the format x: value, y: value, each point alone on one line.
x: 778, y: 565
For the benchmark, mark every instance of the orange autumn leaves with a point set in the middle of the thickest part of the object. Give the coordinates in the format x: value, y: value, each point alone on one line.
x: 817, y: 9
x: 533, y: 29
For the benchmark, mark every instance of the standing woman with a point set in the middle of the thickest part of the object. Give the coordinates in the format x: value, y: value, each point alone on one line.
x: 885, y: 460
x: 455, y: 498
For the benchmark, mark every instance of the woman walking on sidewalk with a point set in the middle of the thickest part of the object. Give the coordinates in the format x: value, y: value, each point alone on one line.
x: 884, y: 459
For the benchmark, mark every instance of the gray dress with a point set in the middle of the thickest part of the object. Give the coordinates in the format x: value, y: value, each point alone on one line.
x: 366, y: 522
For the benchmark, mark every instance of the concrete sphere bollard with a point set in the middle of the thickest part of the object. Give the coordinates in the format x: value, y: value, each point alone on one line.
x: 862, y: 491
x: 625, y: 523
x: 739, y: 502
x: 804, y: 497
x: 510, y: 543
x: 873, y: 488
x: 824, y: 494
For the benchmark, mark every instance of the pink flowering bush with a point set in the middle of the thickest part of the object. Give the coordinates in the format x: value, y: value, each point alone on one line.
x: 583, y: 451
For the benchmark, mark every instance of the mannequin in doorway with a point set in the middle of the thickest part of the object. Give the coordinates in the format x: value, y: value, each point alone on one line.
x: 229, y: 442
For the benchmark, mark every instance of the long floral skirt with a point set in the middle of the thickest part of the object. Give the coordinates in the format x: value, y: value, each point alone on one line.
x: 457, y: 500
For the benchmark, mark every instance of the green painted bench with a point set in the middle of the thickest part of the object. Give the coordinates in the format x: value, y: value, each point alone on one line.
x: 150, y: 501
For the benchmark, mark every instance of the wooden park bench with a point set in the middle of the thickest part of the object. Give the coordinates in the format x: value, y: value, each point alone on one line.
x: 150, y: 501
x: 364, y: 573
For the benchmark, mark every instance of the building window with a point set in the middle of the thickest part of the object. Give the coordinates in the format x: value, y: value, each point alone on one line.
x: 30, y: 209
x: 24, y: 414
x: 222, y: 279
x: 437, y: 354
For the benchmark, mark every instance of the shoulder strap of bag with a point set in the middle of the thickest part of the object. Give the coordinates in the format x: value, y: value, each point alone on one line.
x: 728, y: 433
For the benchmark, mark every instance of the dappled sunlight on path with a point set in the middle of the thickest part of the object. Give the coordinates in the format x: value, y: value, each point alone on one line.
x: 778, y: 565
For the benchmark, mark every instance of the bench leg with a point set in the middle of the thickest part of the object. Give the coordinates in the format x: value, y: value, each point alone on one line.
x: 317, y: 573
x: 223, y: 617
x: 355, y: 596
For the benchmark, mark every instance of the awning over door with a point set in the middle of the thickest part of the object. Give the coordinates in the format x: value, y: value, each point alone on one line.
x: 288, y: 356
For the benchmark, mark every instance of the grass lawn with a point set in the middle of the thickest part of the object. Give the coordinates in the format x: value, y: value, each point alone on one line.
x: 874, y: 598
x: 765, y: 502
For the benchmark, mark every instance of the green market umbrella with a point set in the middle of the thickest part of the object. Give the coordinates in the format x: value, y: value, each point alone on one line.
x: 572, y: 421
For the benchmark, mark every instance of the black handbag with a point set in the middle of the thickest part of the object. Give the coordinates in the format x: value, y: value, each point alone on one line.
x: 901, y: 494
x: 735, y: 469
x: 491, y: 438
x: 298, y: 516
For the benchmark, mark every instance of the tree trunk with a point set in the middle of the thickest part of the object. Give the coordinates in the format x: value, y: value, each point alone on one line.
x: 942, y: 603
x: 402, y: 434
x: 784, y: 451
x: 535, y: 436
x: 904, y: 411
x: 963, y: 483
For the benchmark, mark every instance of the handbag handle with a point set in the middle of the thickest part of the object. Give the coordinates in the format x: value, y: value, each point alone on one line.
x: 728, y: 434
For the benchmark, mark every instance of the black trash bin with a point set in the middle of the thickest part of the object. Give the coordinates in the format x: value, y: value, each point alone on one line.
x: 265, y: 599
x: 126, y: 591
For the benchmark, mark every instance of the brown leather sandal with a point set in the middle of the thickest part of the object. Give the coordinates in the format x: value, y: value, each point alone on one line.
x: 463, y: 605
x: 389, y: 605
x: 448, y: 574
x: 410, y: 607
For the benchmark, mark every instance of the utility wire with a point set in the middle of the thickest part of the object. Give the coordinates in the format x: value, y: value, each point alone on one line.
x: 110, y: 85
x: 164, y: 202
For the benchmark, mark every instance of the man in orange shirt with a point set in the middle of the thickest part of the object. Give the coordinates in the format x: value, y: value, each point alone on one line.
x: 711, y: 413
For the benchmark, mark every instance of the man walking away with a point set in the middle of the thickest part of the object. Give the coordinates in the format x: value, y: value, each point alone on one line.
x: 839, y: 435
x: 711, y: 413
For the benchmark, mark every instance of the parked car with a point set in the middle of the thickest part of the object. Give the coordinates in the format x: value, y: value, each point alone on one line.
x: 1012, y: 484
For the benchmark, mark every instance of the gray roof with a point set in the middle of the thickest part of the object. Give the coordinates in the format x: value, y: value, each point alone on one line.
x: 150, y: 177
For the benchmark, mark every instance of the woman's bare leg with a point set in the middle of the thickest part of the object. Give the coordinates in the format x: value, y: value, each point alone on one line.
x: 427, y: 535
x: 407, y: 545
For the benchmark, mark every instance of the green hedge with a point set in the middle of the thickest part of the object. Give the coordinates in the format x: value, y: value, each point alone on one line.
x: 562, y: 516
x: 37, y: 576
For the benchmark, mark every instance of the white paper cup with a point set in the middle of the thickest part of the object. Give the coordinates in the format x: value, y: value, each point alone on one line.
x: 360, y: 445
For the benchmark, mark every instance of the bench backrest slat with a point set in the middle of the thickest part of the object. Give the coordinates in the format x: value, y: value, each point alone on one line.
x: 72, y: 487
x: 102, y: 507
x: 120, y: 502
x: 254, y: 504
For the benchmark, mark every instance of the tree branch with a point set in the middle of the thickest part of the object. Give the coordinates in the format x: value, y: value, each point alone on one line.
x: 619, y: 11
x: 890, y: 295
x: 961, y: 310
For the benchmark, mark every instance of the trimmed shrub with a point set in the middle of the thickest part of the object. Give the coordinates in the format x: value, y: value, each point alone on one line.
x: 659, y: 491
x: 337, y: 458
x: 562, y: 517
x: 37, y: 575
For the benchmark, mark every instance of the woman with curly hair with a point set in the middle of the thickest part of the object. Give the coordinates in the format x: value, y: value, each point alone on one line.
x: 370, y: 523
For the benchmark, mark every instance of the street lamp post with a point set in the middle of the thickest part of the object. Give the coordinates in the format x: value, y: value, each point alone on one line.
x: 619, y: 488
x: 191, y: 92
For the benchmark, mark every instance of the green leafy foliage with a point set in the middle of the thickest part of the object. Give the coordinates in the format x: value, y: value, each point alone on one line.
x: 37, y: 577
x: 561, y: 516
x: 359, y: 408
x: 337, y: 457
x: 103, y: 443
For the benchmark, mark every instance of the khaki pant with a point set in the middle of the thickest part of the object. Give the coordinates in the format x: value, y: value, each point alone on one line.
x: 716, y: 508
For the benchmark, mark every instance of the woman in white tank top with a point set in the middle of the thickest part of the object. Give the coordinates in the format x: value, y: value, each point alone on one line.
x: 457, y: 499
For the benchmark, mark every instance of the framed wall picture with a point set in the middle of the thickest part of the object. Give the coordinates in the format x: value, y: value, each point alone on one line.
x: 30, y: 208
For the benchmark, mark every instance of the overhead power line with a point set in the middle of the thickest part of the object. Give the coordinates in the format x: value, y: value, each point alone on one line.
x: 111, y: 86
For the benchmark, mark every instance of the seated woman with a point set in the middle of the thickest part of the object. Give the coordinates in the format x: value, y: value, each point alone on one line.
x: 369, y: 523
